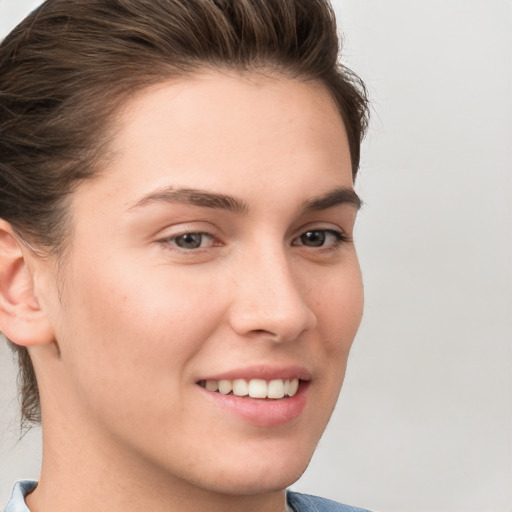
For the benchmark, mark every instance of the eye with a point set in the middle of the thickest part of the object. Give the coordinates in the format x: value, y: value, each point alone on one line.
x: 190, y: 241
x: 320, y: 238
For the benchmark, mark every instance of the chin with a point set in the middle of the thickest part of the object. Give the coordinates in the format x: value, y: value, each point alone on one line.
x: 262, y: 476
x: 255, y: 484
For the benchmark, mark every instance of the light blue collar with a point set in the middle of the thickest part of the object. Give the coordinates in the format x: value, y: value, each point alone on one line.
x: 17, y: 501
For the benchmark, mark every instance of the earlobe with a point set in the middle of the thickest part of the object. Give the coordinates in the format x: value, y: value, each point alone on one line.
x: 22, y: 319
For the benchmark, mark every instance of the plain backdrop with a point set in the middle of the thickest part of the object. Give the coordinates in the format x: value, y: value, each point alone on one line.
x: 424, y: 421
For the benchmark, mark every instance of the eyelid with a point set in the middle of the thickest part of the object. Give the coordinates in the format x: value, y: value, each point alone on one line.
x: 172, y: 237
x: 334, y: 226
x: 182, y: 228
x: 166, y: 237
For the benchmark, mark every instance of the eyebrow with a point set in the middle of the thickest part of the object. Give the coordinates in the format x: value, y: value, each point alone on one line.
x: 336, y: 197
x: 205, y: 199
x: 194, y: 197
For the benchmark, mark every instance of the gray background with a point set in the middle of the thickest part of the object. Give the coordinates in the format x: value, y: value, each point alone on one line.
x: 424, y: 421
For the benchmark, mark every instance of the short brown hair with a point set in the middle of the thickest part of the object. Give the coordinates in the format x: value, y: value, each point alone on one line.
x: 71, y: 63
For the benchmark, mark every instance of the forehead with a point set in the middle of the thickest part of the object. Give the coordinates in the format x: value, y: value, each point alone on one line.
x: 227, y: 131
x: 218, y: 113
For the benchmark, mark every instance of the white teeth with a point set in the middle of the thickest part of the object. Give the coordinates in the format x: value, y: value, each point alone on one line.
x: 255, y: 388
x: 212, y: 385
x: 275, y: 389
x: 240, y: 387
x: 294, y: 386
x: 225, y: 386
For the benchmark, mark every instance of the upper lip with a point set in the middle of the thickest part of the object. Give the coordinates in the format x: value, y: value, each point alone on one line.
x: 265, y: 372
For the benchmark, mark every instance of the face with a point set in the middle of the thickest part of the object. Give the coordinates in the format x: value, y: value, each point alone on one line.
x: 212, y: 258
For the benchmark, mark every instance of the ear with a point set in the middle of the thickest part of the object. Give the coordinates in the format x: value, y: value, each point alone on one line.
x: 22, y: 320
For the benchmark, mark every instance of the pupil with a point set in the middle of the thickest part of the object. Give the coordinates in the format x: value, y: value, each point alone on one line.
x: 313, y: 238
x: 189, y: 241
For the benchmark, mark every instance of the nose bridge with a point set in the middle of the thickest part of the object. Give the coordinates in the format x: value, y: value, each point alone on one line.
x: 269, y: 299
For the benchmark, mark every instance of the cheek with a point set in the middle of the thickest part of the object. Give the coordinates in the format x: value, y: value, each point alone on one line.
x: 339, y: 305
x: 140, y: 300
x: 339, y: 309
x: 139, y: 326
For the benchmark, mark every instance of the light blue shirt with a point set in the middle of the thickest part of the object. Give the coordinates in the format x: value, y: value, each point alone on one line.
x: 17, y: 501
x: 297, y: 502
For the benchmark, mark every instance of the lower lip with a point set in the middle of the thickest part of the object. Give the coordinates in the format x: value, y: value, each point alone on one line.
x: 263, y: 412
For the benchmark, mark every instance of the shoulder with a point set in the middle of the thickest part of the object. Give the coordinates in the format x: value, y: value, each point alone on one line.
x: 306, y: 503
x: 17, y: 501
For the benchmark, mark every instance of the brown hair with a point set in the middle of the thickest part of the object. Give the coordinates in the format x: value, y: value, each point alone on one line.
x: 71, y: 63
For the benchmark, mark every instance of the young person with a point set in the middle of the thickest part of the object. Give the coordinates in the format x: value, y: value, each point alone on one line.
x: 177, y: 271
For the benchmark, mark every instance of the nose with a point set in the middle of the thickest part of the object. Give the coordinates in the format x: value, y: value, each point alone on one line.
x: 269, y: 299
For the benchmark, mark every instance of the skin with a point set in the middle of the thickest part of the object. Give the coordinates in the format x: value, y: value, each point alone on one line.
x: 133, y: 321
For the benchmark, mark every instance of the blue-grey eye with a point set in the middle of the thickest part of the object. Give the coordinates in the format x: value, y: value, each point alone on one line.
x: 314, y: 238
x: 320, y: 238
x: 190, y: 240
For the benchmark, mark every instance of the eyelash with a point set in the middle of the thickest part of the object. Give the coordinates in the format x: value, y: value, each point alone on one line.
x: 172, y: 240
x: 339, y: 239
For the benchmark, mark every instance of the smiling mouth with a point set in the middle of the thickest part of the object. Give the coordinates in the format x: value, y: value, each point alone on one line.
x: 254, y: 388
